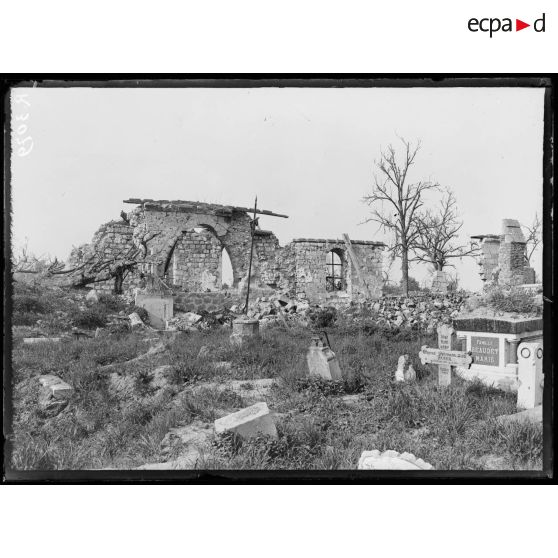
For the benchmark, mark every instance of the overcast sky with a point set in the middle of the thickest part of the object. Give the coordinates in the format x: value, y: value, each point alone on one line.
x: 307, y: 153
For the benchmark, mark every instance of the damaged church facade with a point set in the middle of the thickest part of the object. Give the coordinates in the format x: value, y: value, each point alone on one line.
x: 184, y: 243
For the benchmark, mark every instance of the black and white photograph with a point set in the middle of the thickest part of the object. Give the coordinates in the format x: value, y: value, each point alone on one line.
x: 214, y: 278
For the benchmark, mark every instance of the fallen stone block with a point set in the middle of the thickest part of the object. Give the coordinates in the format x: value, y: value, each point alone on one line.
x: 391, y: 460
x: 247, y: 423
x: 58, y: 387
x: 54, y: 394
x: 36, y: 340
x: 135, y: 320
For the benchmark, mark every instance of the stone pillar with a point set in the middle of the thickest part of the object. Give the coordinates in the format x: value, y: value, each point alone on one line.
x: 488, y: 259
x: 511, y: 257
x: 440, y: 282
x: 243, y: 329
x: 530, y: 375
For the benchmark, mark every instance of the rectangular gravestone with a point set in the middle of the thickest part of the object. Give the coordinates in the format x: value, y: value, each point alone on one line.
x: 447, y: 340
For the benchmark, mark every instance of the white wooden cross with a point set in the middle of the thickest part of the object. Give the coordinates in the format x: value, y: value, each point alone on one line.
x: 445, y: 356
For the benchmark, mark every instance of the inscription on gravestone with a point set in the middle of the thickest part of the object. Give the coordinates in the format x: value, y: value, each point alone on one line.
x: 486, y: 350
x: 446, y: 341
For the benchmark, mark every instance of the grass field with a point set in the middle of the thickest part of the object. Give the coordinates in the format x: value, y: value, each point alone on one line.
x: 119, y: 415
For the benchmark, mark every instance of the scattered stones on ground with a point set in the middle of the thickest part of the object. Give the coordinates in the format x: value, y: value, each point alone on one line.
x: 249, y: 422
x: 391, y: 460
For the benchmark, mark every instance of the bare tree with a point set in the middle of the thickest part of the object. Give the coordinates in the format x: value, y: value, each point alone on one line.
x: 438, y: 230
x: 396, y: 203
x: 533, y: 238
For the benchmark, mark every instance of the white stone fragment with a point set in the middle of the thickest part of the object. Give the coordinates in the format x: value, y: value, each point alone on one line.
x: 391, y: 460
x: 249, y: 422
x: 92, y: 296
x: 35, y: 340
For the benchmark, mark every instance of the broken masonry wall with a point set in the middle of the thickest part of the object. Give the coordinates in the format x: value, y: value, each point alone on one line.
x: 311, y: 270
x: 502, y: 257
x: 196, y: 262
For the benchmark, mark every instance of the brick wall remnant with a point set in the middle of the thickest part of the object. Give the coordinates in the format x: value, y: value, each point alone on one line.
x: 501, y: 257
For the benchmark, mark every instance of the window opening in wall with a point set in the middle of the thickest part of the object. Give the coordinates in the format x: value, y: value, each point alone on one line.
x: 227, y: 278
x: 334, y: 277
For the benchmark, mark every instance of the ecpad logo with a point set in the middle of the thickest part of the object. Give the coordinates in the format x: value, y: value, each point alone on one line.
x: 493, y: 25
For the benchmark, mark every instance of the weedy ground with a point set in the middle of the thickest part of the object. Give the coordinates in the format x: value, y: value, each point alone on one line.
x: 319, y: 426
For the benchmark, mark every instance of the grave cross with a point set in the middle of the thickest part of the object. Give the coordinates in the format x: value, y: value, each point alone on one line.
x: 444, y: 356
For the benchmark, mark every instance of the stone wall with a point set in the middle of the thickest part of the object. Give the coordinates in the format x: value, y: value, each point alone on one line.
x: 311, y: 270
x: 199, y: 302
x: 196, y: 262
x: 191, y: 261
x: 502, y: 258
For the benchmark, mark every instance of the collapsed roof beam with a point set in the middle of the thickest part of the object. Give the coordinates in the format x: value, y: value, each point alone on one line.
x: 202, y: 206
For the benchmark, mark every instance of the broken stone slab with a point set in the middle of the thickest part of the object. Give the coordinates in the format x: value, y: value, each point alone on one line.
x: 391, y: 460
x: 135, y: 320
x: 249, y: 422
x: 322, y: 361
x: 405, y: 371
x: 58, y: 387
x: 36, y: 340
x: 54, y: 394
x: 530, y: 415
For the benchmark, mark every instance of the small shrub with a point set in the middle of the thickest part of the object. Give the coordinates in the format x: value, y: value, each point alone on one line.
x: 90, y: 318
x: 513, y: 300
x: 325, y: 387
x: 322, y: 317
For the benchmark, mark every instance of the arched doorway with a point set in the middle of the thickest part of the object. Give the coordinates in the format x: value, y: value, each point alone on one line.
x: 198, y: 262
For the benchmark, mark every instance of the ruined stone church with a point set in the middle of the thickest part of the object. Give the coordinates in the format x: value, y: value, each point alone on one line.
x: 184, y: 244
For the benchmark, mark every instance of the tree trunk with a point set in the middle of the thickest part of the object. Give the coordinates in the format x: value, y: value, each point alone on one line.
x: 118, y: 281
x: 405, y: 270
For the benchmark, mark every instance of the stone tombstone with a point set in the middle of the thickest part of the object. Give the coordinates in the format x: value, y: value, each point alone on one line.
x: 440, y: 282
x: 158, y: 307
x: 243, y: 329
x: 530, y: 375
x: 322, y: 361
x: 249, y: 422
x: 447, y: 340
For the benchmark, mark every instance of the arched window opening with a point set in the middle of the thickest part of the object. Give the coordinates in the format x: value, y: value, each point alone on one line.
x: 227, y: 277
x: 334, y: 276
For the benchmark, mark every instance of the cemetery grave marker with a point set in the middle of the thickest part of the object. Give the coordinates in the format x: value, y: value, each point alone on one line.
x: 444, y: 356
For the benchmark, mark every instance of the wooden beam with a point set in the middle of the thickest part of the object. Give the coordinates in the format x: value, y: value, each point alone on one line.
x: 355, y: 261
x: 203, y: 206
